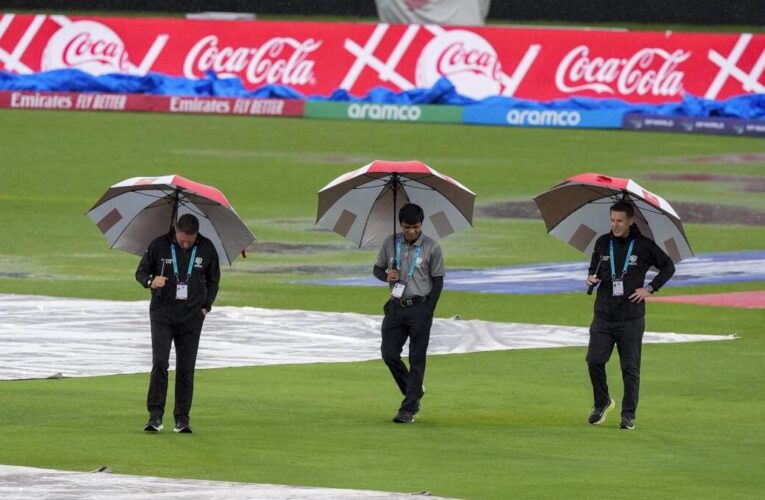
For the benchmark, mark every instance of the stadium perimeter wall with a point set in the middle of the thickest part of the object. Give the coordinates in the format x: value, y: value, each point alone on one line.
x: 709, y: 12
x: 533, y: 64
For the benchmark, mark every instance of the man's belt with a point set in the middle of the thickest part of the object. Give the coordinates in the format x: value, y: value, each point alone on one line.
x: 409, y: 301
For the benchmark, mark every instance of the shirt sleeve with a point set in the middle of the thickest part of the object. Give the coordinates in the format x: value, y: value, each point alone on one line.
x: 437, y: 267
x: 212, y: 276
x: 664, y: 264
x: 145, y: 272
x: 596, y: 258
x: 382, y: 255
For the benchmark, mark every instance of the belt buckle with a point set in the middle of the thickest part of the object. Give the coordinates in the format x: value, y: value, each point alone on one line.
x: 407, y: 302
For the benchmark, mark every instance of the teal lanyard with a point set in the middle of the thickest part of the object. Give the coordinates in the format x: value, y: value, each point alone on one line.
x: 626, y: 259
x: 414, y: 260
x: 175, y: 261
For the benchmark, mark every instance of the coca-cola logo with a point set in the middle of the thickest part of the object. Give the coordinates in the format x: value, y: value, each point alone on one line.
x: 88, y: 46
x: 650, y: 71
x: 279, y: 60
x: 466, y: 58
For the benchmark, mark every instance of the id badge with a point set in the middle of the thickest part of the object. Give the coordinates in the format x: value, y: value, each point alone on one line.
x: 618, y: 289
x: 182, y: 291
x: 398, y: 290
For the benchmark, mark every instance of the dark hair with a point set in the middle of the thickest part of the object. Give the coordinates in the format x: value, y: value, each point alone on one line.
x: 411, y: 214
x: 623, y: 206
x: 187, y: 224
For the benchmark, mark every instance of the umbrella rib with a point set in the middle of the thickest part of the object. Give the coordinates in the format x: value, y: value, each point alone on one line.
x: 192, y: 207
x: 611, y: 198
x: 446, y: 198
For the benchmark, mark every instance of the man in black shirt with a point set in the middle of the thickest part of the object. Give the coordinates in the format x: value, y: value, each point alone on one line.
x: 182, y: 270
x: 619, y: 263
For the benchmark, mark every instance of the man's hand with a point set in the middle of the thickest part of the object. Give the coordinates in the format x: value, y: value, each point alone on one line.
x: 592, y: 280
x: 158, y: 282
x: 392, y: 276
x: 639, y: 295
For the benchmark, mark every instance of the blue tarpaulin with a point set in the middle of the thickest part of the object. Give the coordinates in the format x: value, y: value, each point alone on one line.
x: 749, y: 106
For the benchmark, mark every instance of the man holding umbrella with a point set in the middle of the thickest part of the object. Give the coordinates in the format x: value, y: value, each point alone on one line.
x: 413, y: 266
x: 619, y: 263
x: 182, y: 270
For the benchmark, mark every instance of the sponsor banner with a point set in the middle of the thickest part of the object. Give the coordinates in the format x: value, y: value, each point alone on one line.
x: 564, y: 118
x: 159, y: 104
x: 695, y: 125
x: 318, y: 58
x: 384, y: 112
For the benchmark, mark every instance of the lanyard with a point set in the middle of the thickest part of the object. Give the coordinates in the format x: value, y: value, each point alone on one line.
x: 175, y: 261
x: 626, y: 259
x: 414, y: 260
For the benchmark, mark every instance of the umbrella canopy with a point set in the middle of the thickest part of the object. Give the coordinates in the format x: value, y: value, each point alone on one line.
x: 134, y: 212
x: 577, y: 212
x: 363, y: 205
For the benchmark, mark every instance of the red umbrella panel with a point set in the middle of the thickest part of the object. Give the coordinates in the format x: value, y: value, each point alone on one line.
x: 132, y: 213
x: 577, y: 212
x: 363, y: 205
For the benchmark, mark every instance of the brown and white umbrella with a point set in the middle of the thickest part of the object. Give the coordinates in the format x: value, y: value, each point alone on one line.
x: 577, y: 212
x: 363, y: 205
x: 132, y: 213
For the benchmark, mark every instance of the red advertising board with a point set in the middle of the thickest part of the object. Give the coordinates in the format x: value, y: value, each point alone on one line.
x: 317, y: 58
x: 97, y: 101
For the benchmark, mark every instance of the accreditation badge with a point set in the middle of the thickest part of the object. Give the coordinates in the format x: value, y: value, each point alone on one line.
x: 618, y: 289
x: 182, y: 291
x: 398, y: 290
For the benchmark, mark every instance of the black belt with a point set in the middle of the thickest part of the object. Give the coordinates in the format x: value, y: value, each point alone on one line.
x: 409, y: 301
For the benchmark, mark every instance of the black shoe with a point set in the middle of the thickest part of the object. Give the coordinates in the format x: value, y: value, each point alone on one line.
x: 599, y: 413
x: 627, y: 423
x: 404, y: 417
x: 182, y: 426
x: 153, y: 425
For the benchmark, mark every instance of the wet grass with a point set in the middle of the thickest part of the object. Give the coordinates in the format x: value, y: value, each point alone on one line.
x: 494, y: 425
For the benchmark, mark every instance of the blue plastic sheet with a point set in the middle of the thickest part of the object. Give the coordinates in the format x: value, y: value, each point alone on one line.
x: 750, y: 106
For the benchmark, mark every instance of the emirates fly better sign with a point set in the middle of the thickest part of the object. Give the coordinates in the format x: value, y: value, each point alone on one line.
x: 317, y: 58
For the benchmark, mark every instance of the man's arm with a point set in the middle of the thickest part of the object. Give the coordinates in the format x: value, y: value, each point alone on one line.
x: 144, y: 274
x: 379, y: 273
x: 664, y: 264
x: 437, y: 271
x: 212, y: 276
x: 435, y: 293
x: 592, y: 271
x: 666, y: 267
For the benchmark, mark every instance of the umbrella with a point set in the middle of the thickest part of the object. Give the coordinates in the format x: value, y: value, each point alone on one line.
x: 132, y: 213
x: 577, y: 212
x: 363, y: 205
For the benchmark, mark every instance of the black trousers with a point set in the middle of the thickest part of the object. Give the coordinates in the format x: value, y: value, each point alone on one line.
x: 186, y: 338
x: 628, y: 338
x: 399, y: 324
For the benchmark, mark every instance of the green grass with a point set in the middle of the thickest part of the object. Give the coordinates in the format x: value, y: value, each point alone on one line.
x: 494, y: 425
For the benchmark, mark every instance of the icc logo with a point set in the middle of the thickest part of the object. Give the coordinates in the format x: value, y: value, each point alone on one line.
x: 88, y: 46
